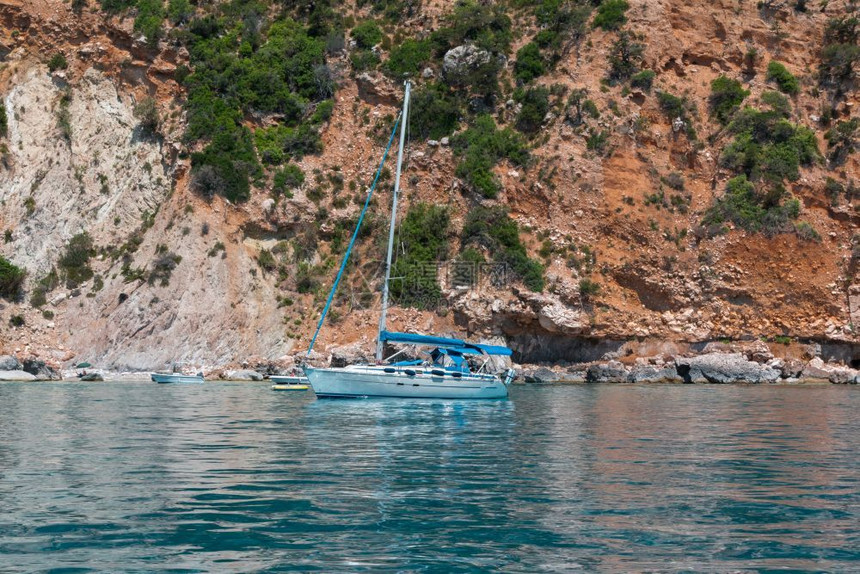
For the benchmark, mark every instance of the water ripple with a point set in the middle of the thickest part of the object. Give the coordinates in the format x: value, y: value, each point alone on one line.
x: 235, y: 478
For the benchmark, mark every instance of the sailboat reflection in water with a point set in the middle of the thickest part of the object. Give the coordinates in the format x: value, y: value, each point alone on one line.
x: 445, y: 374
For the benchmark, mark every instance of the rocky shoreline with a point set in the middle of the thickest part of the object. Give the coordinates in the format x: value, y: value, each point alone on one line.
x: 745, y: 362
x: 718, y: 363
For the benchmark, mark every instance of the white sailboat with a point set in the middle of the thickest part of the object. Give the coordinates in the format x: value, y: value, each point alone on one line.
x: 444, y: 375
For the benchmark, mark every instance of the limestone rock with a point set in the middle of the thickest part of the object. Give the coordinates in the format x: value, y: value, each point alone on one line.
x: 376, y: 89
x: 611, y: 372
x: 41, y: 370
x: 724, y: 368
x: 791, y: 368
x: 648, y: 374
x: 16, y: 375
x: 559, y: 318
x: 348, y: 355
x: 91, y: 377
x: 461, y: 60
x: 816, y: 369
x: 9, y: 363
x: 539, y: 376
x: 843, y: 376
x: 243, y: 375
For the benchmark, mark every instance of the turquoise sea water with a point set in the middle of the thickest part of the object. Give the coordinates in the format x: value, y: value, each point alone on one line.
x: 237, y: 478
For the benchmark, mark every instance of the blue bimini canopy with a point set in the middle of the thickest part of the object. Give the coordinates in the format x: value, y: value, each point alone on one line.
x: 443, y: 342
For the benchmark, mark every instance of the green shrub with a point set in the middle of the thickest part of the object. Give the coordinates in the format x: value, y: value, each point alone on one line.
x: 492, y: 229
x: 78, y: 6
x: 726, y: 96
x: 180, y: 11
x: 367, y: 34
x: 625, y: 55
x: 535, y: 105
x: 38, y: 297
x: 278, y: 144
x: 115, y: 6
x: 588, y: 288
x: 17, y: 321
x: 288, y: 178
x: 777, y: 103
x: 434, y: 111
x: 407, y: 58
x: 785, y: 81
x: 363, y: 60
x: 267, y: 261
x: 146, y: 112
x: 424, y: 236
x: 769, y: 147
x: 841, y: 53
x: 529, y: 64
x: 237, y: 71
x: 838, y: 62
x: 562, y: 22
x: 643, y: 80
x: 672, y: 106
x: 597, y: 141
x: 162, y: 267
x: 610, y: 14
x: 842, y: 140
x: 485, y: 25
x: 150, y: 15
x: 806, y: 232
x: 75, y: 261
x: 769, y: 212
x: 231, y: 161
x: 57, y: 62
x: 4, y: 121
x: 481, y: 147
x: 322, y: 114
x: 11, y: 279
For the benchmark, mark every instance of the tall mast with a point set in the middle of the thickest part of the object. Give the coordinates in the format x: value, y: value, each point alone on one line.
x: 382, y: 316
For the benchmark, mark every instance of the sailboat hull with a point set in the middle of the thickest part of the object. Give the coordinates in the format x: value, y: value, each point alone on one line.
x: 372, y: 381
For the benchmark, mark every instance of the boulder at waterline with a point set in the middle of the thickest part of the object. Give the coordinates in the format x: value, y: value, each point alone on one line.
x: 9, y: 363
x: 41, y: 370
x: 16, y: 375
x: 724, y: 368
x: 611, y: 372
x: 243, y: 375
x: 648, y: 374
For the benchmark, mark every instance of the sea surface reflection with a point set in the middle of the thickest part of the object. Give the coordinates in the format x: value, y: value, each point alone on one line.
x: 234, y: 477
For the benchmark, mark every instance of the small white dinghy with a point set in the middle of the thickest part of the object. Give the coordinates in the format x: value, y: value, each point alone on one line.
x: 176, y: 378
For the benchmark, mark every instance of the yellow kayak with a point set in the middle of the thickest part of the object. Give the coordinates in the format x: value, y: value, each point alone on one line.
x: 282, y: 387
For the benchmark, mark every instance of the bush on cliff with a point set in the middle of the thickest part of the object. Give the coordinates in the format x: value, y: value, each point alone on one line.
x: 237, y: 71
x: 407, y: 58
x: 535, y: 105
x: 11, y: 279
x: 75, y: 261
x: 769, y: 210
x: 529, y: 64
x: 726, y: 95
x: 424, y: 235
x: 481, y: 147
x: 611, y: 14
x: 767, y: 146
x: 492, y: 229
x: 785, y: 81
x: 150, y: 15
x: 434, y: 111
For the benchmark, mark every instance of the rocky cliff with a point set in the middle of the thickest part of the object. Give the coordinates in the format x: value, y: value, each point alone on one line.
x: 625, y: 201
